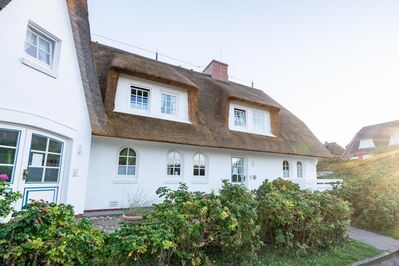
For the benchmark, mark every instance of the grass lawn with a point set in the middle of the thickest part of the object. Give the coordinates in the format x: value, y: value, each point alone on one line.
x: 345, y: 254
x: 394, y: 233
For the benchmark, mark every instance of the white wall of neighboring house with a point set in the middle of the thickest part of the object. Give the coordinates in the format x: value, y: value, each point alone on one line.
x: 30, y: 99
x: 106, y: 189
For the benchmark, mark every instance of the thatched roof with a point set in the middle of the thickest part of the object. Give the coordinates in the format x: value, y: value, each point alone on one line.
x: 208, y: 100
x: 334, y: 148
x: 379, y: 133
x: 3, y: 3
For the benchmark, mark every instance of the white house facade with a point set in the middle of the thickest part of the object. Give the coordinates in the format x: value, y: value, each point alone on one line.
x: 90, y: 125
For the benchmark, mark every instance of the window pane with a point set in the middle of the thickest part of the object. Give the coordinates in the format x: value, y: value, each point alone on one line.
x: 53, y: 160
x: 31, y: 37
x: 35, y: 175
x: 7, y: 156
x: 122, y: 160
x: 202, y: 172
x: 8, y: 137
x: 44, y: 45
x: 36, y: 159
x: 196, y: 171
x: 44, y: 57
x: 122, y: 170
x: 55, y: 146
x: 8, y: 170
x: 51, y: 175
x: 31, y: 50
x: 132, y: 161
x: 131, y: 170
x: 124, y: 152
x: 38, y: 143
x: 177, y: 171
x: 170, y: 171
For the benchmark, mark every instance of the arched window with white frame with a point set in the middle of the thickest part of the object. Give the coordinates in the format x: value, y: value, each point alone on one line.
x: 174, y: 166
x: 286, y: 169
x: 127, y: 162
x: 299, y: 170
x: 199, y: 166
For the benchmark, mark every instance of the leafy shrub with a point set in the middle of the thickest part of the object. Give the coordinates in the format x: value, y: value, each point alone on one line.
x: 187, y: 228
x: 291, y: 218
x: 372, y: 188
x: 47, y: 234
x: 7, y: 197
x: 242, y: 206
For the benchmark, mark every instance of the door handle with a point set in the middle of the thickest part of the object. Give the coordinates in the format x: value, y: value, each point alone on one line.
x: 25, y: 174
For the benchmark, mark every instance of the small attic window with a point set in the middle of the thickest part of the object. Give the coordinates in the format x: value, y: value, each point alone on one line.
x: 140, y: 98
x: 240, y: 117
x: 366, y: 144
x: 394, y: 140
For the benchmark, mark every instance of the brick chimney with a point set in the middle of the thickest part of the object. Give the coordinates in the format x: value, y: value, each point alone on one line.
x: 217, y: 70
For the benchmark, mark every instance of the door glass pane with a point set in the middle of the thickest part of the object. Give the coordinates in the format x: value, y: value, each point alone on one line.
x: 36, y: 159
x: 51, y: 175
x: 53, y: 160
x: 35, y: 175
x: 8, y: 170
x: 39, y: 143
x: 7, y: 156
x: 8, y: 137
x: 55, y: 146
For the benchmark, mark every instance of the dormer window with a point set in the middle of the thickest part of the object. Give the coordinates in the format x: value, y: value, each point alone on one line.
x: 168, y: 103
x: 240, y: 117
x: 139, y: 98
x: 249, y: 119
x: 394, y: 140
x: 366, y: 144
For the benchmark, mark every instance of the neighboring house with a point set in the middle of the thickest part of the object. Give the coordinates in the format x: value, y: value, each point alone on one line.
x: 334, y: 148
x: 373, y: 139
x: 87, y: 124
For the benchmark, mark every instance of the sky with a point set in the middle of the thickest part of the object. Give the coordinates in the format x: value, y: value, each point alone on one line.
x: 334, y: 64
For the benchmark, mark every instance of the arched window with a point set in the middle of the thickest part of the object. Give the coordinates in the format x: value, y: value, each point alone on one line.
x: 174, y: 163
x: 299, y: 170
x: 127, y: 162
x: 199, y: 165
x: 286, y: 169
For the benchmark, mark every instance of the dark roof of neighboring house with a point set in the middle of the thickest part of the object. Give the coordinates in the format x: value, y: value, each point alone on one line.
x: 209, y: 100
x: 379, y: 133
x: 3, y: 3
x: 334, y: 148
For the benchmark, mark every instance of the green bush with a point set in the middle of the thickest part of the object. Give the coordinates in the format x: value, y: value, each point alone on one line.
x: 7, y: 197
x: 189, y: 227
x: 242, y: 205
x: 291, y: 218
x: 47, y: 234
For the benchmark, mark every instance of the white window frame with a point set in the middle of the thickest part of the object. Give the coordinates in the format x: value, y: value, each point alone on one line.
x: 257, y: 127
x: 365, y: 144
x: 244, y: 166
x: 16, y: 148
x: 286, y: 172
x: 301, y: 171
x: 132, y: 86
x: 181, y: 164
x: 205, y: 167
x: 135, y: 166
x: 34, y: 62
x: 245, y: 117
x: 166, y: 93
x: 393, y: 140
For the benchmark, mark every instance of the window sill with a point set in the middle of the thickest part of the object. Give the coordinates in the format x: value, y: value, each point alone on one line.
x: 133, y: 180
x: 31, y: 63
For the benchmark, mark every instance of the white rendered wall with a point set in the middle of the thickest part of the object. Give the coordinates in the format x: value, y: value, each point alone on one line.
x: 35, y: 100
x: 104, y: 186
x: 123, y: 93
